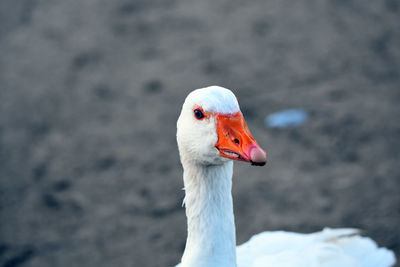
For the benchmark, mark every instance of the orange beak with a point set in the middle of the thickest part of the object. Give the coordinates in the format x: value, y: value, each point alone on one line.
x: 235, y: 140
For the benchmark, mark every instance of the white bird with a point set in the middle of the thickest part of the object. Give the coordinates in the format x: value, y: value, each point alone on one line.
x: 211, y: 132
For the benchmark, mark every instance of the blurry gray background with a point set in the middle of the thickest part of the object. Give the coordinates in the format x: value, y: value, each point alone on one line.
x: 89, y: 96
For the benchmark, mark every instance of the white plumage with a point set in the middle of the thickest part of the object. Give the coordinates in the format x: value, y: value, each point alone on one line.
x: 214, y: 99
x: 328, y: 248
x: 207, y: 144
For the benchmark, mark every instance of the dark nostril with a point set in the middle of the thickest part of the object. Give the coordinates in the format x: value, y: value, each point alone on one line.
x: 237, y: 141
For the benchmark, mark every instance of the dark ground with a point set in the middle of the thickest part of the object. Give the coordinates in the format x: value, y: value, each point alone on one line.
x: 90, y: 92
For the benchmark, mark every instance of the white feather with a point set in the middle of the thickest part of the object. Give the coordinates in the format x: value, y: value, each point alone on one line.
x: 328, y: 248
x: 214, y: 99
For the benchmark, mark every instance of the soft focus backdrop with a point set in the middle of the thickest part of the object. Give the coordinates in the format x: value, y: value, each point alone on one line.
x: 89, y: 96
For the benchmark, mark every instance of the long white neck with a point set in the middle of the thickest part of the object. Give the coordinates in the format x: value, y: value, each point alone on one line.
x: 211, y: 228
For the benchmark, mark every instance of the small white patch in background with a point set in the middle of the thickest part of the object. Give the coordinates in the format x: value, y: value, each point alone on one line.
x: 286, y: 118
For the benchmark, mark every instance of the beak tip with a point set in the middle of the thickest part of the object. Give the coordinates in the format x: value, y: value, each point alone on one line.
x: 258, y: 156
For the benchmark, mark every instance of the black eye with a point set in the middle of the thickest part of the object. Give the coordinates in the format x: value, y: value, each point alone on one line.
x: 198, y: 114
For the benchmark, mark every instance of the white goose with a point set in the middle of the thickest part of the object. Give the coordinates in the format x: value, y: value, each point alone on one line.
x: 211, y: 132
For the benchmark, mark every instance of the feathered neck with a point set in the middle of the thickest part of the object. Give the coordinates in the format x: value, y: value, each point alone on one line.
x: 211, y: 229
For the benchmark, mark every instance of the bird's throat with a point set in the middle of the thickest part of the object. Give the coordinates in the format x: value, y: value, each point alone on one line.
x: 211, y: 229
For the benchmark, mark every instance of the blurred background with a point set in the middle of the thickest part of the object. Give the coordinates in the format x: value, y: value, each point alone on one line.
x: 89, y: 96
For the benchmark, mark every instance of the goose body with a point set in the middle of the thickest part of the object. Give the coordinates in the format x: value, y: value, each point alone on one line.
x: 330, y: 247
x: 211, y: 132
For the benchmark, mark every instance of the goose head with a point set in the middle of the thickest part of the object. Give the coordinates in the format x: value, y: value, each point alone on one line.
x: 211, y: 130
